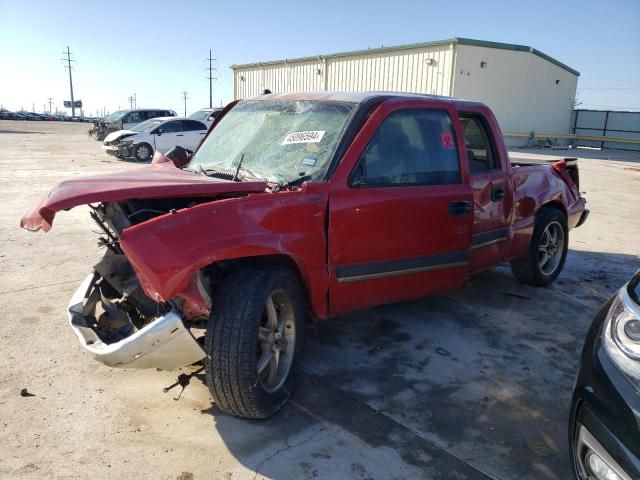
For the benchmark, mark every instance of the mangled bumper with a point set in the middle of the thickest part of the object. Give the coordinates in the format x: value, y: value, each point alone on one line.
x: 119, y: 151
x: 164, y: 343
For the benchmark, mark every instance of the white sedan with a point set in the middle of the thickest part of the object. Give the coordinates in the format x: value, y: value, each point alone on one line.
x: 161, y: 134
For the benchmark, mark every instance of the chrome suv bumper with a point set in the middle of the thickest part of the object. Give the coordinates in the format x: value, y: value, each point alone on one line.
x: 164, y: 343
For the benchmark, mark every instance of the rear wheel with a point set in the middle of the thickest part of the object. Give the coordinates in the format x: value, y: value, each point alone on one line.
x: 254, y: 341
x: 547, y: 252
x: 142, y: 152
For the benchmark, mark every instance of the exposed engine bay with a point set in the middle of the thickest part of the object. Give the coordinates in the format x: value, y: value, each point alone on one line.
x: 115, y: 304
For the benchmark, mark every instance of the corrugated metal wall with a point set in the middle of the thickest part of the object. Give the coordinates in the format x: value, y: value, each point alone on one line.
x: 281, y: 77
x: 521, y: 88
x: 525, y: 91
x: 420, y: 70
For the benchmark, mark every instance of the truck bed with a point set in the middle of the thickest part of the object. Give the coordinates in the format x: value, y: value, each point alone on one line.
x: 571, y: 165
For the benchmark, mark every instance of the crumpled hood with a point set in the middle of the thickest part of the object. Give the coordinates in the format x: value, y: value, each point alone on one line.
x: 113, y: 136
x: 153, y: 181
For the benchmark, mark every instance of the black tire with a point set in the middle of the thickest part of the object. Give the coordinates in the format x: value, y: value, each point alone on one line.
x: 528, y: 270
x: 143, y: 152
x: 233, y: 347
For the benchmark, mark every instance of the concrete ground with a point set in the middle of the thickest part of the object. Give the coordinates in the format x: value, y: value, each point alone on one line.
x: 475, y: 384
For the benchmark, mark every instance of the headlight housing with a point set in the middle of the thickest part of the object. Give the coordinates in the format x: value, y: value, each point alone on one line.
x: 622, y: 333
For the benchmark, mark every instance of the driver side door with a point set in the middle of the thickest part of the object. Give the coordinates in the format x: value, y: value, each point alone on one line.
x: 167, y: 135
x: 400, y: 209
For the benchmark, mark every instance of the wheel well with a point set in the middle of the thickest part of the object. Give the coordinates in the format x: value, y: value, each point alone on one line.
x: 217, y: 272
x: 553, y: 205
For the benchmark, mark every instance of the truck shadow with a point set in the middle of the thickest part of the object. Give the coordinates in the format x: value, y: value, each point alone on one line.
x: 472, y: 382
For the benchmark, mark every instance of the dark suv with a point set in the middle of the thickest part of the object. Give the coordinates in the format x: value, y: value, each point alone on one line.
x: 125, y: 119
x: 605, y: 412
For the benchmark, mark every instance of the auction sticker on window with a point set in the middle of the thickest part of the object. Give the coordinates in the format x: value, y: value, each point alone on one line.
x: 312, y: 136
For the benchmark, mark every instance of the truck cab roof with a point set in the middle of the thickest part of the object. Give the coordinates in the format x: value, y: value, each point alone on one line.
x: 364, y: 97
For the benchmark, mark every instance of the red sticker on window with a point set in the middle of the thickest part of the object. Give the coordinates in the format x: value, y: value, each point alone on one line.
x: 446, y: 139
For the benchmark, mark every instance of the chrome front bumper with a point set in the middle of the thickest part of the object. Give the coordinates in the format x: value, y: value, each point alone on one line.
x: 164, y: 343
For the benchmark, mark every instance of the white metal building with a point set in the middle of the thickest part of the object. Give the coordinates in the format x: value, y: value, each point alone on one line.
x: 527, y: 90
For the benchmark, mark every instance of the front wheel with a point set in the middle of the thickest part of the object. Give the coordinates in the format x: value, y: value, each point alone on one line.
x: 547, y: 251
x: 142, y: 152
x: 254, y: 341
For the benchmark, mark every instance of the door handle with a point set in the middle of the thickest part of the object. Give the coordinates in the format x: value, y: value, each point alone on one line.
x: 497, y: 194
x: 459, y: 208
x: 179, y: 135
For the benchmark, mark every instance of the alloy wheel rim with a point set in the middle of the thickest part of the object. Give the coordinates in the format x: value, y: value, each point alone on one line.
x: 143, y: 151
x: 276, y: 341
x: 551, y: 248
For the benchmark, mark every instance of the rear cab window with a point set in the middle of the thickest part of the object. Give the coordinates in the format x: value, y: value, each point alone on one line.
x: 481, y: 152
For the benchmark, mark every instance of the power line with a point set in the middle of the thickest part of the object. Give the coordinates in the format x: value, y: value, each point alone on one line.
x: 185, y: 98
x: 68, y: 66
x: 211, y: 78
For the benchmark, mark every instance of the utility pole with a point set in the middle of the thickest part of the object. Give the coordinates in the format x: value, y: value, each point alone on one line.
x: 211, y: 78
x: 131, y: 101
x: 50, y: 99
x: 68, y: 60
x: 185, y: 98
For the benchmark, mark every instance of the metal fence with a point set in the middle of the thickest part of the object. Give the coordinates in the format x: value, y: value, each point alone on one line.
x: 607, y: 123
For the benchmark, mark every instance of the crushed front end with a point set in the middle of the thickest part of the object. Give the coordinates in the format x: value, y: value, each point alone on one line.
x: 118, y: 144
x: 112, y: 317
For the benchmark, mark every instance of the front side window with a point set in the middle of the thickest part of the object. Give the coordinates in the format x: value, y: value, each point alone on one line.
x: 479, y: 151
x: 171, y: 127
x: 133, y: 117
x: 280, y: 141
x: 411, y: 147
x: 191, y: 125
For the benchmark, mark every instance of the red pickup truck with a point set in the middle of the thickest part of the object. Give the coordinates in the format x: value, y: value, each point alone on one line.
x: 298, y: 205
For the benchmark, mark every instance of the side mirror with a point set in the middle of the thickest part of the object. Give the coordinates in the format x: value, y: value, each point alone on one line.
x: 158, y: 132
x: 179, y: 156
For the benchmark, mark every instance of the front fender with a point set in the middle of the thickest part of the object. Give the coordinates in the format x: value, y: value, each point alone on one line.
x: 166, y: 251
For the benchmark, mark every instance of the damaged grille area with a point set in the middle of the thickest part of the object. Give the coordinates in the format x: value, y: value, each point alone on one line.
x: 115, y: 321
x: 117, y: 304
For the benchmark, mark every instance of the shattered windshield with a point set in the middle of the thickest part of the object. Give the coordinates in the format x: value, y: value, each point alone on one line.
x: 146, y: 125
x: 280, y: 141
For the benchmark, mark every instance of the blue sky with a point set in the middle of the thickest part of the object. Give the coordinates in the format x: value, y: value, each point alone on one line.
x: 157, y: 49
